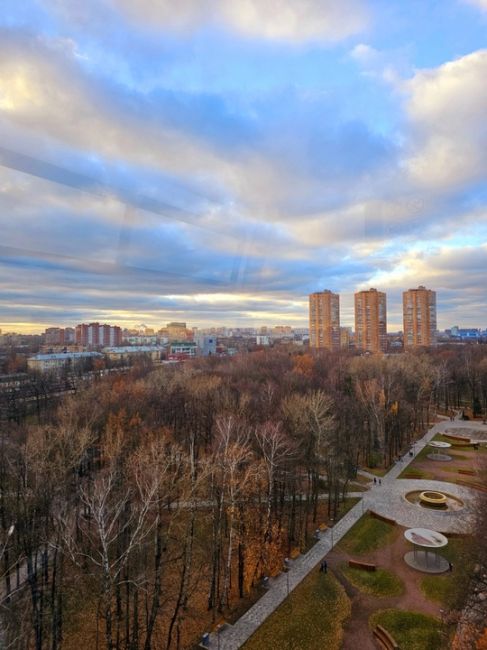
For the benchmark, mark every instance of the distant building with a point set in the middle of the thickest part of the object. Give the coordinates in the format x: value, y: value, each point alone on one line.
x: 96, y: 335
x: 345, y: 337
x: 206, y: 344
x: 466, y: 334
x: 58, y: 361
x: 69, y: 335
x: 324, y: 320
x: 419, y: 317
x: 126, y: 353
x: 176, y: 331
x: 54, y: 336
x: 261, y: 339
x: 144, y: 339
x: 371, y: 321
x: 179, y: 350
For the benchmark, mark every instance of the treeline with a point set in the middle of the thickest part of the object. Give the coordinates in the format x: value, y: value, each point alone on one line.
x: 153, y: 502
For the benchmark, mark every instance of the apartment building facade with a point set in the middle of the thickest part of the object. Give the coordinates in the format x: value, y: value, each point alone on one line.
x: 324, y: 320
x: 419, y: 317
x: 371, y: 321
x: 94, y: 335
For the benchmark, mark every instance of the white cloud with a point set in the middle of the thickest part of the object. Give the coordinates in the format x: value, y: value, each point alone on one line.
x: 447, y: 107
x: 288, y: 20
x: 480, y: 4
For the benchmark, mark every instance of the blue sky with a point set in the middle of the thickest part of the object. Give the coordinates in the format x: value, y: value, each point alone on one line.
x: 215, y: 161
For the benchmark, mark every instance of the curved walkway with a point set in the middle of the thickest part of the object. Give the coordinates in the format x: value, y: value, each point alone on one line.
x: 386, y: 499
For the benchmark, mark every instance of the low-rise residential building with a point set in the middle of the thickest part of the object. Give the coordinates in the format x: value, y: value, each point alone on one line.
x: 126, y: 353
x: 61, y: 360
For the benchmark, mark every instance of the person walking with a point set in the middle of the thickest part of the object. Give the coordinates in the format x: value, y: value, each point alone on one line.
x: 375, y: 481
x: 450, y: 567
x: 380, y: 481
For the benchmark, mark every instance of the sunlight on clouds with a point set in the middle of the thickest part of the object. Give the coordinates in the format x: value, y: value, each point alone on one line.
x: 447, y: 107
x: 287, y: 20
x: 16, y: 90
x: 480, y: 4
x: 232, y: 298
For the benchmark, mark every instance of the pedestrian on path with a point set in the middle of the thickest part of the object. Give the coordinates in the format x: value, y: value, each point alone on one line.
x: 450, y: 567
x: 324, y: 566
x: 380, y: 481
x: 375, y: 481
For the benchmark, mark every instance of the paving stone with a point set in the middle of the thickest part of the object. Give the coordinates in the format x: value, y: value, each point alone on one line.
x: 388, y: 500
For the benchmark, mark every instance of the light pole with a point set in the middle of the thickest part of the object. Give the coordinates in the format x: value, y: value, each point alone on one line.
x: 286, y: 569
x: 331, y: 526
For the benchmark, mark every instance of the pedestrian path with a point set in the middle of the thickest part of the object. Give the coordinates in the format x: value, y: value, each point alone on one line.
x: 386, y: 499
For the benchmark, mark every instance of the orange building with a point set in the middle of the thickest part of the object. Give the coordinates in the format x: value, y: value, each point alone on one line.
x: 371, y: 321
x: 419, y: 317
x: 324, y: 320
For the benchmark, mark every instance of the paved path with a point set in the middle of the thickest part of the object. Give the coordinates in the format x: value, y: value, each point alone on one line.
x: 387, y: 499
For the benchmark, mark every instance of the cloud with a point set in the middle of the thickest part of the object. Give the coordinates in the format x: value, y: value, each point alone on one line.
x: 480, y: 4
x: 281, y: 20
x: 447, y: 108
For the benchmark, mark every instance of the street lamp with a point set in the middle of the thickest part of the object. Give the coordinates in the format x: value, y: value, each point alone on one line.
x: 286, y: 569
x: 331, y: 526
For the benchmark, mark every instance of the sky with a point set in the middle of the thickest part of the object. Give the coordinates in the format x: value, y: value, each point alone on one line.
x: 215, y: 161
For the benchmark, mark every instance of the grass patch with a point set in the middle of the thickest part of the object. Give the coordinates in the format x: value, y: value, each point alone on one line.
x: 379, y: 582
x: 411, y: 630
x: 360, y: 478
x: 441, y: 589
x: 456, y: 456
x: 447, y: 588
x: 346, y: 505
x: 413, y: 472
x: 357, y: 487
x: 377, y: 471
x: 367, y: 535
x: 310, y: 619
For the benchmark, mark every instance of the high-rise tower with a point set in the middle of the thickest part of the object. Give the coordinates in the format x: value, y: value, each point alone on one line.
x: 324, y: 320
x: 419, y: 316
x: 370, y: 321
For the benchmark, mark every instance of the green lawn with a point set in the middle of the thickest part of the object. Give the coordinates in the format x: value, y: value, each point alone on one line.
x: 377, y: 471
x: 367, y: 535
x: 439, y: 588
x: 412, y: 472
x: 411, y: 630
x: 310, y: 619
x: 379, y: 582
x: 447, y: 588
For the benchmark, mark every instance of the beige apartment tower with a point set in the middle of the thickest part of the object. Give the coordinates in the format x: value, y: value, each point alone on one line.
x: 370, y: 321
x: 324, y: 320
x: 419, y: 317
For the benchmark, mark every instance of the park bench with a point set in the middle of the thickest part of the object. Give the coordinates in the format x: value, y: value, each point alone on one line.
x: 385, y: 640
x: 322, y: 527
x: 366, y: 566
x: 468, y: 472
x: 461, y: 439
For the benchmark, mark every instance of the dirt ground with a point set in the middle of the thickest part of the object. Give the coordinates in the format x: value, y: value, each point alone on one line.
x: 356, y: 632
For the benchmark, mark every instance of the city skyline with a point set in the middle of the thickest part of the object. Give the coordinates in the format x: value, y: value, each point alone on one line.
x: 166, y: 163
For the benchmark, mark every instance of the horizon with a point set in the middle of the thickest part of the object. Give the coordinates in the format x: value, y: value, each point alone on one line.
x: 218, y: 166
